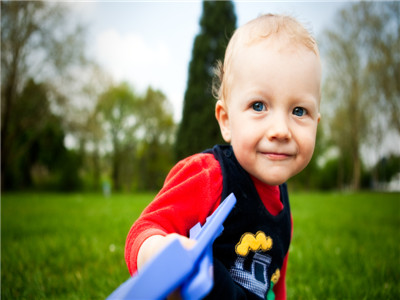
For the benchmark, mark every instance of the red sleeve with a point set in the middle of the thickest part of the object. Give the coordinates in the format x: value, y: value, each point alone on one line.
x: 280, y: 287
x: 191, y: 192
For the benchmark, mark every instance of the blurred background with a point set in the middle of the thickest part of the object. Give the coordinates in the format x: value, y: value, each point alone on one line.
x: 100, y: 99
x: 101, y: 94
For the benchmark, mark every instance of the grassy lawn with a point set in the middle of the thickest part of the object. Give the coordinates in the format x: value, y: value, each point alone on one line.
x: 65, y: 246
x: 345, y: 246
x: 71, y: 246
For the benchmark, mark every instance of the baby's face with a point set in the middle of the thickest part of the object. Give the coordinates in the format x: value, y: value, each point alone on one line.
x: 272, y: 111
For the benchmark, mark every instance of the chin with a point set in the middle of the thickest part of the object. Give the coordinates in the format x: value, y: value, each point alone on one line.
x: 277, y: 182
x: 275, y: 178
x: 274, y: 181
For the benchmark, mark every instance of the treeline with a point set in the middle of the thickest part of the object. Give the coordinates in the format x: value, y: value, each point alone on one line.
x: 66, y: 126
x: 124, y: 143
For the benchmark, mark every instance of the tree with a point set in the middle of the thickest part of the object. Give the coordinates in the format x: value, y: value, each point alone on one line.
x: 117, y: 110
x: 38, y: 40
x: 138, y: 130
x: 39, y: 157
x: 386, y: 168
x: 84, y: 127
x: 362, y: 82
x: 382, y: 35
x: 155, y: 154
x: 198, y: 129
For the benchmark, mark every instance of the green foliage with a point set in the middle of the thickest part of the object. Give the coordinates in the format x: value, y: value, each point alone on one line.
x: 69, y: 166
x: 381, y: 34
x: 37, y: 155
x: 154, y: 163
x: 335, y: 174
x: 199, y: 129
x: 35, y: 41
x: 154, y: 155
x: 140, y: 130
x: 344, y: 246
x: 361, y: 89
x: 117, y: 112
x: 387, y: 167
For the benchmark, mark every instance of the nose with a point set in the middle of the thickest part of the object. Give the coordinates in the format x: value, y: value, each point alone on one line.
x: 278, y: 127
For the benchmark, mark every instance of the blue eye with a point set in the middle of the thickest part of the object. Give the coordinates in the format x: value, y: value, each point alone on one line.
x: 258, y: 106
x: 299, y: 111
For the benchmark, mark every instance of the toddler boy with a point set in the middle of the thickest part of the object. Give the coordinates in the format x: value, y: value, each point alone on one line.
x: 268, y: 111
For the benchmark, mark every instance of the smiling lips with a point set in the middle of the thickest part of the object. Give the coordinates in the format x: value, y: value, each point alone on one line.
x: 277, y: 156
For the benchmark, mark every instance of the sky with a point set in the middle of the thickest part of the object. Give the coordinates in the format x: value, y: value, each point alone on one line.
x: 150, y: 43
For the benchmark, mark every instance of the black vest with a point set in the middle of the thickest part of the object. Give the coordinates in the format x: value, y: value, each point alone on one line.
x: 254, y: 242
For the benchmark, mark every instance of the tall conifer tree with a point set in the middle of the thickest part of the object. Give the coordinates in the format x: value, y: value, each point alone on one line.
x: 199, y: 129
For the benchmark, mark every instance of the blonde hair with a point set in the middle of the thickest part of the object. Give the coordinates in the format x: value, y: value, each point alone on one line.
x: 261, y: 28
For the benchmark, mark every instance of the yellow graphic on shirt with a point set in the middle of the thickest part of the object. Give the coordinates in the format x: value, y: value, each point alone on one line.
x: 252, y: 242
x: 274, y: 280
x: 275, y: 276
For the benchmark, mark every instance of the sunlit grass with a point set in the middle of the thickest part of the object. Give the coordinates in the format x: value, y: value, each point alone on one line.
x: 71, y: 246
x: 345, y: 246
x: 65, y: 246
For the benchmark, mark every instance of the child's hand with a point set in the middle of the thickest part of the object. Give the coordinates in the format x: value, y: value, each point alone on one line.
x: 154, y: 244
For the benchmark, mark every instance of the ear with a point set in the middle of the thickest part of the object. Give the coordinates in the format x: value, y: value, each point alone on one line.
x: 221, y: 113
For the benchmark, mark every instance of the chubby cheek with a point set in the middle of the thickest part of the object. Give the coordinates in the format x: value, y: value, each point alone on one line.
x: 306, y: 147
x: 243, y: 140
x: 245, y: 131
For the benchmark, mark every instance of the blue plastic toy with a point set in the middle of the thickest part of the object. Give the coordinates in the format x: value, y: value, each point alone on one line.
x: 176, y: 267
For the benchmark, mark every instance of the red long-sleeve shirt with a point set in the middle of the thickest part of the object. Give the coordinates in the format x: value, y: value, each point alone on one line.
x: 191, y: 192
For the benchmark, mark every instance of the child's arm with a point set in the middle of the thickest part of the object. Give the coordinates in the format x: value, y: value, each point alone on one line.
x: 280, y: 287
x: 191, y: 192
x: 154, y: 244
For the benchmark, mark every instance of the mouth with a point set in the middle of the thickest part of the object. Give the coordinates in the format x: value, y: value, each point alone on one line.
x: 277, y: 155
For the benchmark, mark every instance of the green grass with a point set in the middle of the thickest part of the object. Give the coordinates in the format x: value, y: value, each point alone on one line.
x: 71, y: 246
x: 65, y: 246
x: 345, y: 246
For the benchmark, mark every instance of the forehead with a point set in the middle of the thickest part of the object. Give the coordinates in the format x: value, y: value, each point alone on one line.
x: 278, y: 66
x: 281, y: 29
x: 271, y: 52
x: 262, y: 49
x: 259, y: 52
x: 272, y: 27
x: 273, y: 42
